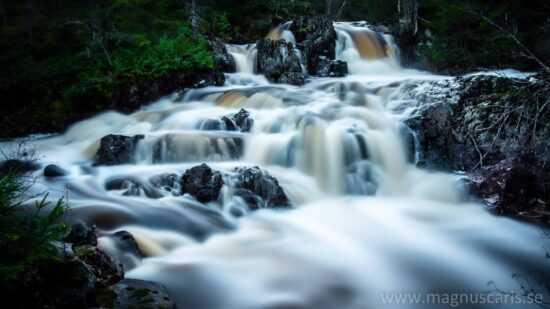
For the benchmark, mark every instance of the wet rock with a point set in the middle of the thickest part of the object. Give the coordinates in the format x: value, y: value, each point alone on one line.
x: 223, y: 61
x: 122, y: 246
x: 133, y: 187
x: 239, y: 121
x: 278, y: 62
x: 134, y: 293
x: 203, y: 183
x: 127, y: 243
x: 53, y: 170
x: 117, y: 149
x: 331, y: 68
x: 315, y: 37
x: 82, y: 234
x: 17, y: 166
x: 106, y: 270
x: 252, y: 182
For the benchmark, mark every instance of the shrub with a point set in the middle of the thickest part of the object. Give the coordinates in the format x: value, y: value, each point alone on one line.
x: 27, y: 232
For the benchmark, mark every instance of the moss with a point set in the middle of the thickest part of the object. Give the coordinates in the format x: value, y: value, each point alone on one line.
x: 142, y: 296
x: 106, y: 298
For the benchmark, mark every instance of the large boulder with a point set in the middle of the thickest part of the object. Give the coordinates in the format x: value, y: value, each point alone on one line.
x: 117, y: 149
x: 202, y: 183
x: 259, y: 189
x: 134, y: 293
x: 279, y: 63
x: 315, y: 37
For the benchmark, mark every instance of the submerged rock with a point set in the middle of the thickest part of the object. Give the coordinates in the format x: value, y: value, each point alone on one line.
x: 239, y: 121
x: 133, y: 187
x: 53, y: 170
x: 202, y: 183
x: 17, y: 166
x: 259, y: 189
x: 277, y: 60
x: 117, y: 149
x: 134, y: 293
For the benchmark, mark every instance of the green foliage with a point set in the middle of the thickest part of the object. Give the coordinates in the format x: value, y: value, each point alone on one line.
x: 82, y: 53
x: 462, y: 35
x: 26, y: 235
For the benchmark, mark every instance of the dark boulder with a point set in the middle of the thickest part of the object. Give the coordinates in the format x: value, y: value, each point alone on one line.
x: 133, y: 187
x: 53, y: 170
x: 315, y: 37
x: 331, y: 68
x: 134, y: 293
x: 223, y: 61
x: 106, y: 270
x: 17, y: 166
x: 82, y: 234
x: 252, y: 182
x: 279, y: 63
x: 202, y: 183
x: 117, y: 149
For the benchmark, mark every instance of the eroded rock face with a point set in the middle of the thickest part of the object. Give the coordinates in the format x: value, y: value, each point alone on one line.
x: 202, y: 183
x: 259, y: 189
x: 278, y: 62
x: 490, y: 128
x: 117, y: 149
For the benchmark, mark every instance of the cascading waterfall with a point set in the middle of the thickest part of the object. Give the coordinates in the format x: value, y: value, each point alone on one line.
x: 365, y: 220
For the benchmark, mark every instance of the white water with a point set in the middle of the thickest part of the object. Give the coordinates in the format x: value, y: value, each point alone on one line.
x: 366, y: 221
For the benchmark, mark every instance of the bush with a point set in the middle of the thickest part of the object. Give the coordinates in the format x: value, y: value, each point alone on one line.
x: 27, y: 234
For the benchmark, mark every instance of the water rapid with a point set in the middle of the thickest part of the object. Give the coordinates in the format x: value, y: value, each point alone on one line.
x: 365, y: 221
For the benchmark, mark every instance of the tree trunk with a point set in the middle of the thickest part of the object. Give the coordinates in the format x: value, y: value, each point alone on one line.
x: 408, y: 27
x: 2, y: 14
x: 408, y: 17
x: 29, y: 12
x: 193, y: 15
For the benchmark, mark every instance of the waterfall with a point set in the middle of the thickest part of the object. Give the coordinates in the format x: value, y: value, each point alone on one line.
x: 365, y: 221
x: 365, y: 50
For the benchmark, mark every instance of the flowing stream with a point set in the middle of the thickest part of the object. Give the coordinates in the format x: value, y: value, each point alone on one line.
x: 365, y: 221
